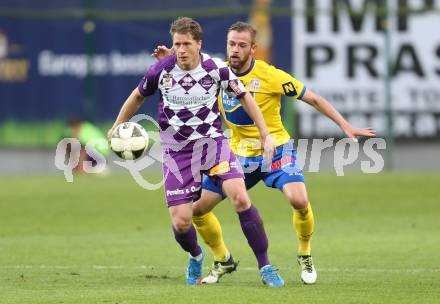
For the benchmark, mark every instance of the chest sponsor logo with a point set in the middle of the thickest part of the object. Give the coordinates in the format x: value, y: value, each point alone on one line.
x: 230, y: 104
x: 167, y: 81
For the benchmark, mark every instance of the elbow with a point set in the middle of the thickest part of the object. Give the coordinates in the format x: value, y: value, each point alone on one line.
x: 138, y: 97
x: 140, y: 100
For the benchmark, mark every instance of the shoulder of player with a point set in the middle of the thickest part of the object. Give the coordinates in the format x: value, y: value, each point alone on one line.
x: 212, y: 63
x: 271, y: 72
x: 264, y: 67
x: 262, y: 64
x: 265, y: 72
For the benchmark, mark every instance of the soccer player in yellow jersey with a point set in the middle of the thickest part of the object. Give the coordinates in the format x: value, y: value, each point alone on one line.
x: 267, y: 84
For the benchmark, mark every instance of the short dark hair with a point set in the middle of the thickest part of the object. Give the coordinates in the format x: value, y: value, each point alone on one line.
x: 186, y: 25
x: 241, y: 26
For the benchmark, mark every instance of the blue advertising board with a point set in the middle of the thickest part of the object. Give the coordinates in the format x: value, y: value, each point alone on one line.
x: 60, y: 68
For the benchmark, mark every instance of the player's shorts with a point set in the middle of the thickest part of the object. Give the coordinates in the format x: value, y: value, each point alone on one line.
x: 283, y: 170
x: 183, y: 170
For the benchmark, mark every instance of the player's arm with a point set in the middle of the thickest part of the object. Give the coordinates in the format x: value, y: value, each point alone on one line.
x: 325, y: 107
x: 284, y: 83
x: 147, y: 86
x: 128, y: 109
x: 250, y: 106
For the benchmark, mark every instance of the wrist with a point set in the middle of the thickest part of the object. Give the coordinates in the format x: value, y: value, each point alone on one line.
x: 344, y: 125
x: 264, y: 135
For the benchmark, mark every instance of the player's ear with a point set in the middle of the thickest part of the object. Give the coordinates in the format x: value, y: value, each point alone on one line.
x: 199, y: 45
x: 253, y: 49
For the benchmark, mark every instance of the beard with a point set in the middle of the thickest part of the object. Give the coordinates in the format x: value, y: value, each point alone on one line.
x: 237, y: 65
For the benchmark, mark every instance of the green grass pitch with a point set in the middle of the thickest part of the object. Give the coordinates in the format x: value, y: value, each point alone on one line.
x: 106, y: 240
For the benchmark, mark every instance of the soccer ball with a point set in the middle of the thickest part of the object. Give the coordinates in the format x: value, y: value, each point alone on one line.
x: 129, y: 140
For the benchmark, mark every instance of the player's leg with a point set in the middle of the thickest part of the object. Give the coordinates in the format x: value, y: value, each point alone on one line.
x: 186, y: 236
x: 180, y: 189
x: 205, y: 221
x: 302, y: 216
x: 209, y: 228
x: 289, y: 179
x: 304, y: 223
x: 210, y: 197
x: 184, y: 231
x: 253, y: 229
x: 207, y: 224
x: 228, y: 174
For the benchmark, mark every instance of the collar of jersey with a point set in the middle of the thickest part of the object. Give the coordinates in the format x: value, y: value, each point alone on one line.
x: 248, y: 70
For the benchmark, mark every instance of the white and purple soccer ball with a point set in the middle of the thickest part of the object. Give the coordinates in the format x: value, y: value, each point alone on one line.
x: 129, y: 140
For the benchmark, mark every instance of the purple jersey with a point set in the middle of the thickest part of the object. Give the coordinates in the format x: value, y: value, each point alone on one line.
x: 188, y: 103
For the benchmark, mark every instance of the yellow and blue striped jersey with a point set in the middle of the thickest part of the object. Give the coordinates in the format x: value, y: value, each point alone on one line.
x: 266, y: 83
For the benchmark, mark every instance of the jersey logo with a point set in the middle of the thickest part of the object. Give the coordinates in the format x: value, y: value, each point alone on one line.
x: 187, y: 82
x: 206, y: 82
x: 167, y: 81
x: 289, y: 89
x: 234, y: 112
x: 254, y: 85
x: 285, y: 160
x: 145, y: 83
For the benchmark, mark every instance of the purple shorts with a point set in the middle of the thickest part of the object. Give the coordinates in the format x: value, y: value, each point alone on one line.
x: 183, y: 170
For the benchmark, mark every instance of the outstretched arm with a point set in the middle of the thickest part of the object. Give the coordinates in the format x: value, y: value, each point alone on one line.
x: 326, y: 108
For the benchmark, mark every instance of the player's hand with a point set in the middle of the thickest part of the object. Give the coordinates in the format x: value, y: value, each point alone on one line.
x: 268, y: 146
x: 161, y: 51
x: 353, y: 133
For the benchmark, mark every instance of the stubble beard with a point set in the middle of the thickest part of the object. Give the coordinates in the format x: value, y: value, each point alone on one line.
x: 240, y: 64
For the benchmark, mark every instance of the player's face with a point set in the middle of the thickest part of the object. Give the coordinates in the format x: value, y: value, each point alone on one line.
x: 187, y: 50
x: 240, y: 50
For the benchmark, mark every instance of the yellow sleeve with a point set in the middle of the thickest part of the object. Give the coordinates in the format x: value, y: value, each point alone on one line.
x: 286, y: 84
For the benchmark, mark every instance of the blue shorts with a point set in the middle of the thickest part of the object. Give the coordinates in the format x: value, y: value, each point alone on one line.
x: 282, y: 170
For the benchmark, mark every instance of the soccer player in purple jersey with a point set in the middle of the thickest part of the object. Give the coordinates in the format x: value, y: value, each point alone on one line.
x: 193, y: 143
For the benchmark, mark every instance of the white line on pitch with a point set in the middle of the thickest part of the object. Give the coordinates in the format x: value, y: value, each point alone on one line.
x: 109, y: 267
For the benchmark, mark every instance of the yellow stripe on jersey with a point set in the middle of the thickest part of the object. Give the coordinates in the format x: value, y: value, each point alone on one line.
x: 234, y: 108
x: 266, y: 83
